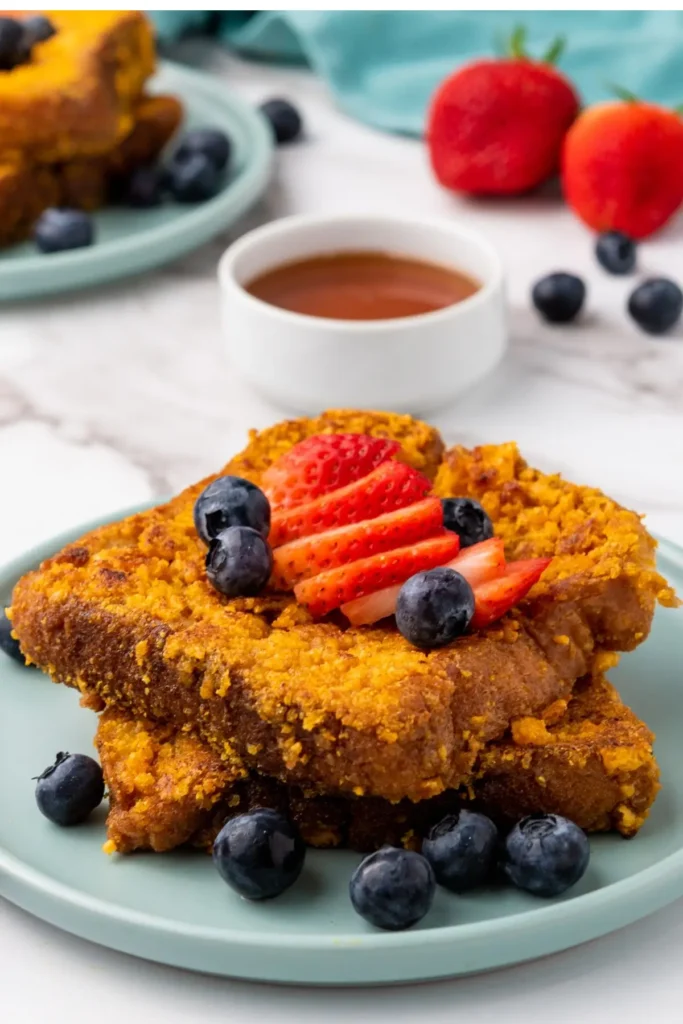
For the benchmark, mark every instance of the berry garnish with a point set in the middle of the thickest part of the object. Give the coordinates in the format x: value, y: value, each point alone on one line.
x: 559, y: 297
x: 308, y: 556
x: 467, y: 518
x: 285, y: 119
x: 656, y: 305
x: 259, y: 854
x: 230, y: 501
x: 493, y: 599
x: 70, y: 789
x: 9, y: 644
x: 435, y: 607
x: 206, y: 142
x: 616, y: 252
x: 194, y: 180
x: 392, y: 889
x: 12, y: 46
x: 476, y: 564
x: 390, y: 486
x: 323, y: 463
x: 462, y: 850
x: 146, y: 187
x: 239, y: 562
x: 37, y: 29
x: 545, y: 854
x: 59, y: 228
x: 323, y: 593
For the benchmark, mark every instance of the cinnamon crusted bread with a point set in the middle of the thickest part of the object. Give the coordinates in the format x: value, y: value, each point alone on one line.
x: 126, y: 616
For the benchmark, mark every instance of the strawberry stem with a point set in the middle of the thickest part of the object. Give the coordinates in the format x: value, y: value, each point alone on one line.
x: 516, y: 47
x: 623, y: 94
x: 555, y: 51
x: 517, y: 43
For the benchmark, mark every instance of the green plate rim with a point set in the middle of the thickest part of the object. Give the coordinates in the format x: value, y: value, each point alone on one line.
x: 162, y: 243
x: 534, y: 932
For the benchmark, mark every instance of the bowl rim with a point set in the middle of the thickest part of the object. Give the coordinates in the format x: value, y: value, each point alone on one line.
x: 295, y: 222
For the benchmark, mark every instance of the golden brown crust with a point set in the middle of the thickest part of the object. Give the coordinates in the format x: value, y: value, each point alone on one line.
x: 75, y: 97
x: 127, y: 616
x: 593, y: 764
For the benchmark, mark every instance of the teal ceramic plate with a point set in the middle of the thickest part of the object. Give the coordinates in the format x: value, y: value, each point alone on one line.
x: 174, y: 908
x: 130, y: 241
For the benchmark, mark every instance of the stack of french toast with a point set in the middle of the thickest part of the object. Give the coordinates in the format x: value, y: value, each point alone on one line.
x: 75, y: 119
x: 210, y: 705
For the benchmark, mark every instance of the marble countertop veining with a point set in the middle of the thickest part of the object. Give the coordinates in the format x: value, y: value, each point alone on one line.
x: 114, y: 395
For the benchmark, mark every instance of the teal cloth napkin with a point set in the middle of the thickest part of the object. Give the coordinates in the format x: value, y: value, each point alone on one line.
x: 383, y: 66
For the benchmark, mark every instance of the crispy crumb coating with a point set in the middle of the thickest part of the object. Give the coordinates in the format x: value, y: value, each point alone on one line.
x: 127, y: 616
x: 591, y: 761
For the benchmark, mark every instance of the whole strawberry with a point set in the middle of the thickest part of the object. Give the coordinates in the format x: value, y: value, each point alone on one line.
x: 496, y: 126
x: 622, y: 166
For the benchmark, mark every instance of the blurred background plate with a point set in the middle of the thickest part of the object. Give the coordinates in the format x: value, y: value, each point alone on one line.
x: 130, y: 241
x: 174, y: 908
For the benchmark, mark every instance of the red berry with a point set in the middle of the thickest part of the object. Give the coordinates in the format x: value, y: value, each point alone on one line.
x: 493, y: 599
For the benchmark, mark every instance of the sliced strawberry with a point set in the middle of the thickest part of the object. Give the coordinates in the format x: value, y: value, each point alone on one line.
x: 329, y: 590
x: 323, y: 463
x: 478, y: 563
x: 498, y: 596
x: 390, y: 486
x: 311, y: 555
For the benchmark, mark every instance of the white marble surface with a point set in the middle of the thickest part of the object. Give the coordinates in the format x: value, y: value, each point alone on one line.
x: 111, y: 396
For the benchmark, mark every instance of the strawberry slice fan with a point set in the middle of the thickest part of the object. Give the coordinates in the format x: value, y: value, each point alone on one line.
x: 351, y: 523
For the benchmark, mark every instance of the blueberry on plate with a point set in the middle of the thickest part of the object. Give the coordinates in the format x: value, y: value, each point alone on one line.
x: 239, y: 562
x: 545, y: 854
x: 559, y: 297
x: 231, y: 501
x: 616, y: 252
x: 70, y: 789
x: 434, y: 607
x: 208, y: 142
x: 194, y: 180
x: 656, y: 304
x: 392, y: 889
x: 462, y: 850
x: 8, y: 644
x: 12, y: 47
x: 146, y: 186
x: 259, y: 854
x: 467, y: 518
x: 60, y: 228
x: 37, y: 29
x: 285, y: 119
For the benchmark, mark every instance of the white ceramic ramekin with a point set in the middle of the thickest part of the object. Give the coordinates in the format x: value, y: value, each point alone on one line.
x: 413, y: 364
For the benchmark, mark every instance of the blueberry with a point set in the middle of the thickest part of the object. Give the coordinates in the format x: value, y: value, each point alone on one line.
x: 392, y: 889
x: 434, y: 607
x: 12, y: 48
x: 285, y: 119
x: 146, y: 187
x: 70, y: 789
x: 8, y: 644
x: 462, y: 850
x: 259, y: 854
x: 239, y: 562
x: 616, y: 252
x: 656, y: 304
x: 559, y: 297
x: 467, y: 518
x: 59, y: 228
x: 194, y: 180
x: 231, y: 501
x: 545, y: 854
x: 207, y: 142
x: 37, y: 29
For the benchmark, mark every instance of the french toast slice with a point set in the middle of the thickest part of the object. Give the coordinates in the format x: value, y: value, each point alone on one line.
x: 26, y: 189
x: 591, y: 762
x: 75, y: 97
x: 127, y: 616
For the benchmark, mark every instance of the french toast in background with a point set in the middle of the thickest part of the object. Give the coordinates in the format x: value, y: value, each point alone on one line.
x: 75, y: 118
x: 127, y: 616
